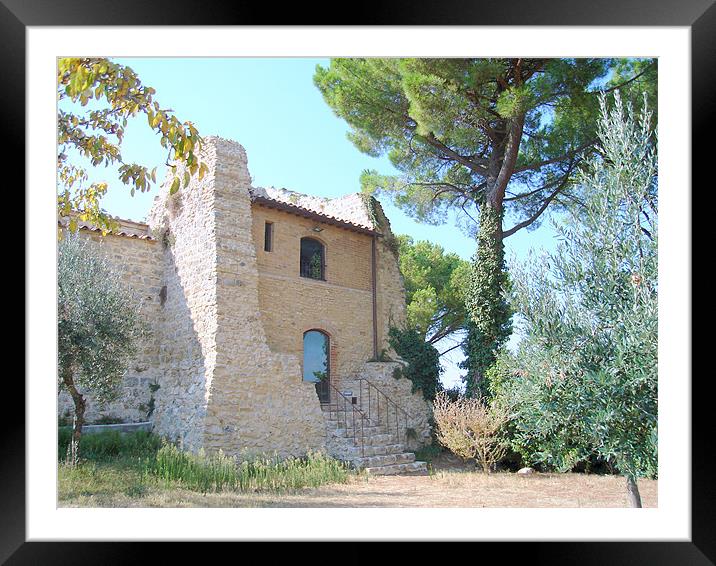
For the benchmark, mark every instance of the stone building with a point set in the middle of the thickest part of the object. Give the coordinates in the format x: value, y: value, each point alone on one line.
x: 269, y: 313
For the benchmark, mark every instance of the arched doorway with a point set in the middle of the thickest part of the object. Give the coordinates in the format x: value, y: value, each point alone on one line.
x: 316, y: 362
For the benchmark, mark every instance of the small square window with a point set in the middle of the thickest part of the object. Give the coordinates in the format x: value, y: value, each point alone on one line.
x: 268, y: 236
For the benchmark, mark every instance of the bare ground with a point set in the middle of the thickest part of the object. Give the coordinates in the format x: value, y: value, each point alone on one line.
x: 456, y: 487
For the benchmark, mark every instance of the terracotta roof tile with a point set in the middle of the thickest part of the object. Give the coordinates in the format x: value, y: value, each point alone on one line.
x: 347, y: 212
x: 127, y: 228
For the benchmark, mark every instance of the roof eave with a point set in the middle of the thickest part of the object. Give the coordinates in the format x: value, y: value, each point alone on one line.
x: 312, y: 215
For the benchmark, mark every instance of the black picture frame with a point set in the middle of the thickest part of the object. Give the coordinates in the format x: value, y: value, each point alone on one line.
x: 698, y: 15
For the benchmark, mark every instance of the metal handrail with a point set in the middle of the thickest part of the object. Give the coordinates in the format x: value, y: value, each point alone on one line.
x: 355, y: 410
x: 387, y: 402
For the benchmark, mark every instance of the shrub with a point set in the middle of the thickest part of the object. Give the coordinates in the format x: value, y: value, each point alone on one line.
x: 217, y: 471
x: 471, y: 428
x: 106, y: 419
x: 423, y: 368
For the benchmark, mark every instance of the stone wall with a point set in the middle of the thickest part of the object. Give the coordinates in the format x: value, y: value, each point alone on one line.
x: 342, y: 305
x: 382, y: 375
x: 258, y: 401
x: 185, y: 225
x: 246, y: 399
x: 138, y: 262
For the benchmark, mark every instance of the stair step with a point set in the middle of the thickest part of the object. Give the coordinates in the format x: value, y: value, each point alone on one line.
x: 381, y: 450
x: 385, y: 460
x: 348, y: 422
x: 366, y: 430
x: 412, y: 468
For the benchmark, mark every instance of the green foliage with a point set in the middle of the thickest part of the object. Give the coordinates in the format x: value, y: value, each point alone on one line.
x: 423, y: 360
x: 316, y: 266
x: 151, y: 404
x: 435, y: 284
x: 585, y: 377
x: 105, y: 419
x: 489, y: 325
x: 216, y: 472
x: 104, y: 96
x: 501, y: 136
x: 99, y: 326
x: 107, y: 445
x: 444, y: 124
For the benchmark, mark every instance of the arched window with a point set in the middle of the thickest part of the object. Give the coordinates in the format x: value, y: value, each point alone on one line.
x: 312, y: 259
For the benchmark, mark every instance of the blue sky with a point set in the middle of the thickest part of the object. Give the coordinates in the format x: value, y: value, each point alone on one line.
x: 291, y: 136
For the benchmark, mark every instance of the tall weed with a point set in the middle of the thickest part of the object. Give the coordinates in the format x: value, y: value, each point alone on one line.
x: 217, y: 471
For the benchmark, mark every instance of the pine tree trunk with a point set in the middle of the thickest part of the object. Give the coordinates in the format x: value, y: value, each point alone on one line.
x: 485, y: 300
x: 73, y: 452
x: 633, y: 492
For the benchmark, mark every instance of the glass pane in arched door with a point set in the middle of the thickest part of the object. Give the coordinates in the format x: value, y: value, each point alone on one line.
x: 316, y: 363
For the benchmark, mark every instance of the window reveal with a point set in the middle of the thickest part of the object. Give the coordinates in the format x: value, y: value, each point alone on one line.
x: 312, y: 259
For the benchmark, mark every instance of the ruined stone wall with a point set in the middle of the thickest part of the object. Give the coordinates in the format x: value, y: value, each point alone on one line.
x: 290, y: 304
x: 255, y: 399
x: 138, y: 263
x: 185, y: 225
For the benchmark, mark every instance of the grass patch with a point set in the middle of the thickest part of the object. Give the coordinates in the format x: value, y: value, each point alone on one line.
x: 133, y: 465
x: 218, y: 472
x: 102, y: 479
x: 107, y: 445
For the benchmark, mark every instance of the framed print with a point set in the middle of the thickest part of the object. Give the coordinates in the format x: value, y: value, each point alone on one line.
x: 677, y: 524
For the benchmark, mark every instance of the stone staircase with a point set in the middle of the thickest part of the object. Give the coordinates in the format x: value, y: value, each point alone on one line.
x: 366, y: 444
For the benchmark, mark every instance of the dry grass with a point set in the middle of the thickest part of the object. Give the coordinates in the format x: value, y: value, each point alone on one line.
x: 446, y: 488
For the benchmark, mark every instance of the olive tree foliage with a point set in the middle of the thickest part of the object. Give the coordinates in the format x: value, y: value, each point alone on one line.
x: 497, y: 141
x: 96, y: 98
x: 585, y: 375
x: 99, y: 327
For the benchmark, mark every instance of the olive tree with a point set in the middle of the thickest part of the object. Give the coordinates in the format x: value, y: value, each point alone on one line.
x: 586, y: 372
x: 98, y: 327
